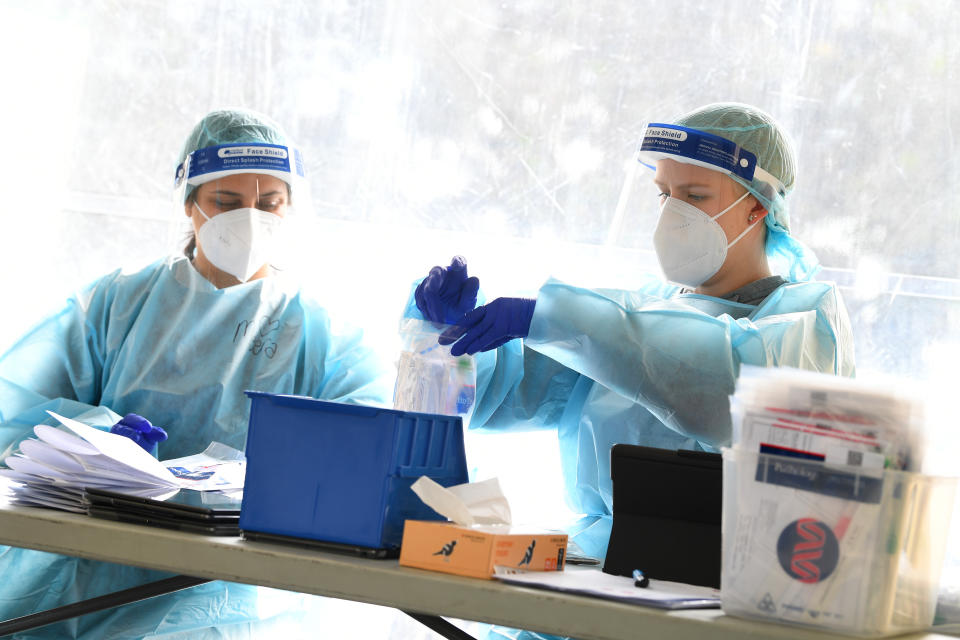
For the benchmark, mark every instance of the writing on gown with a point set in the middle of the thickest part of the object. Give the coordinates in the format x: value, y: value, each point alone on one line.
x: 262, y: 334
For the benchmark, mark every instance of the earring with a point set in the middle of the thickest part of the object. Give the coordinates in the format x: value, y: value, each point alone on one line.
x: 751, y: 218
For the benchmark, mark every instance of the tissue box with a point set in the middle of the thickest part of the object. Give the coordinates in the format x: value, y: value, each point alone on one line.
x: 475, y: 551
x: 340, y: 473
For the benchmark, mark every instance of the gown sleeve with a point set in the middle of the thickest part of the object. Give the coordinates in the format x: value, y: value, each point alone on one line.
x: 679, y: 362
x: 517, y: 389
x: 58, y: 365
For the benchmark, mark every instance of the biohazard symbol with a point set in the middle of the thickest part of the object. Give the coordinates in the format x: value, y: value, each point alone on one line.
x: 767, y: 605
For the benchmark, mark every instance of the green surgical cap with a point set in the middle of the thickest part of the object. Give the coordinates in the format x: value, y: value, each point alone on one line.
x: 757, y: 132
x: 229, y: 126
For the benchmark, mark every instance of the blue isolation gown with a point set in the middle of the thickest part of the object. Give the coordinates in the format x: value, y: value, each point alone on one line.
x: 652, y: 367
x: 166, y: 344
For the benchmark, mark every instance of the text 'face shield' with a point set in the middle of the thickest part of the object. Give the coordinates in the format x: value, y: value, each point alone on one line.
x: 272, y: 164
x: 699, y: 148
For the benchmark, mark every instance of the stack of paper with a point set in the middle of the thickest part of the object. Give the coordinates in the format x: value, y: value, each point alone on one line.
x: 821, y: 503
x: 6, y: 490
x: 52, y: 469
x: 830, y: 419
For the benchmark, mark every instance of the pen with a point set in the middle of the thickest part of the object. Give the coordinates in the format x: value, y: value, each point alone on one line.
x: 640, y: 580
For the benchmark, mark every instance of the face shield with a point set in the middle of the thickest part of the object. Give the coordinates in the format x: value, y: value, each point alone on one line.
x: 638, y: 208
x: 690, y: 146
x: 239, y: 203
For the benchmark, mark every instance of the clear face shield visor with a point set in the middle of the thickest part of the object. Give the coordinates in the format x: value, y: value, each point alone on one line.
x: 256, y: 184
x: 690, y: 146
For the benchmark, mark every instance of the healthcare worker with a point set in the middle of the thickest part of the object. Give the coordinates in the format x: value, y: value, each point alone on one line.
x: 655, y: 366
x: 177, y: 343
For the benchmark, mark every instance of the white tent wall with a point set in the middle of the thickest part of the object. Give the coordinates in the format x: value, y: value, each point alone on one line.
x: 496, y: 130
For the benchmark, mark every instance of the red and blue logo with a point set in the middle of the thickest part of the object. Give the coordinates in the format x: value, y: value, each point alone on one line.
x: 808, y: 550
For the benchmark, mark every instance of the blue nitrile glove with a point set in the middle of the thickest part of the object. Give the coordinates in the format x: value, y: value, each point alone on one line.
x: 139, y: 429
x: 490, y: 326
x: 447, y: 293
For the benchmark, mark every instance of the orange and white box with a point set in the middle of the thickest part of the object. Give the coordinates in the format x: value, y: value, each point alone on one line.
x: 475, y: 551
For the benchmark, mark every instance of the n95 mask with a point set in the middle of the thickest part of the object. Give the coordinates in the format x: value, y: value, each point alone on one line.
x: 690, y: 244
x: 239, y: 242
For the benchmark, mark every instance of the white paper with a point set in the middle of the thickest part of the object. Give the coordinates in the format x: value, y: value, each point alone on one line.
x: 594, y: 582
x: 31, y: 501
x: 23, y: 477
x: 879, y: 416
x: 34, y: 468
x: 63, y: 459
x: 54, y: 469
x: 53, y: 490
x: 51, y: 456
x: 467, y: 504
x: 40, y: 494
x: 64, y: 441
x: 9, y: 481
x: 122, y: 450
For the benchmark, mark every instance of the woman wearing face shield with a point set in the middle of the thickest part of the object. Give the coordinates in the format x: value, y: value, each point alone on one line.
x: 655, y: 366
x: 178, y: 342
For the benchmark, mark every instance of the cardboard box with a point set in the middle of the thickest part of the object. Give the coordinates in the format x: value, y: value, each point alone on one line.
x: 475, y: 551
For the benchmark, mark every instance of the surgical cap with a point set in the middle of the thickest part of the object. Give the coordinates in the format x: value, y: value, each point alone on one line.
x: 759, y: 133
x: 228, y: 126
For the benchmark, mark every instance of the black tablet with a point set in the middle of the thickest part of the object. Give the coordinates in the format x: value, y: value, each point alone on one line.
x: 208, y: 528
x: 186, y: 502
x: 205, y: 512
x: 667, y: 507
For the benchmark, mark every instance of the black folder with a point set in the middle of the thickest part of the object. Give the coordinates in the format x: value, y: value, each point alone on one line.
x: 666, y: 514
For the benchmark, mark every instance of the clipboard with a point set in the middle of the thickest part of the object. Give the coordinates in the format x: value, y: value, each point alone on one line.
x: 667, y: 507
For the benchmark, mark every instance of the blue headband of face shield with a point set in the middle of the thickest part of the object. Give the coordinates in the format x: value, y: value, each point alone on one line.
x: 212, y: 163
x: 670, y: 141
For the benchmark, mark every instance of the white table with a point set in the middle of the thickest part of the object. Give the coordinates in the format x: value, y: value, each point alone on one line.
x: 381, y: 582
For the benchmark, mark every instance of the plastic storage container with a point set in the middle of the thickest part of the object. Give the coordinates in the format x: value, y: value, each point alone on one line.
x: 341, y: 473
x: 841, y: 548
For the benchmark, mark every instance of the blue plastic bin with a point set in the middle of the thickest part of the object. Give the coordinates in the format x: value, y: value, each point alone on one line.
x: 341, y: 473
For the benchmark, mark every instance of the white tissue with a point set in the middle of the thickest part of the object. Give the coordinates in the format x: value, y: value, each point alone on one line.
x: 466, y: 504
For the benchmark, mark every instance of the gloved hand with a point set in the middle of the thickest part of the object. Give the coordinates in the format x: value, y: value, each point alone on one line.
x: 490, y: 326
x: 447, y: 293
x: 139, y: 429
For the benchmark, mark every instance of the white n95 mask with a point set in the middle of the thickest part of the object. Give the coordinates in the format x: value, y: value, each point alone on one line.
x: 691, y: 246
x: 239, y: 242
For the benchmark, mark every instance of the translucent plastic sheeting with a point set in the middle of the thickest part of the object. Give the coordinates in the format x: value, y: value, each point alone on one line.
x: 499, y: 131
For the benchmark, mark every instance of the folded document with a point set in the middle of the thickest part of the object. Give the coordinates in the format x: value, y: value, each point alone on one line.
x: 52, y: 469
